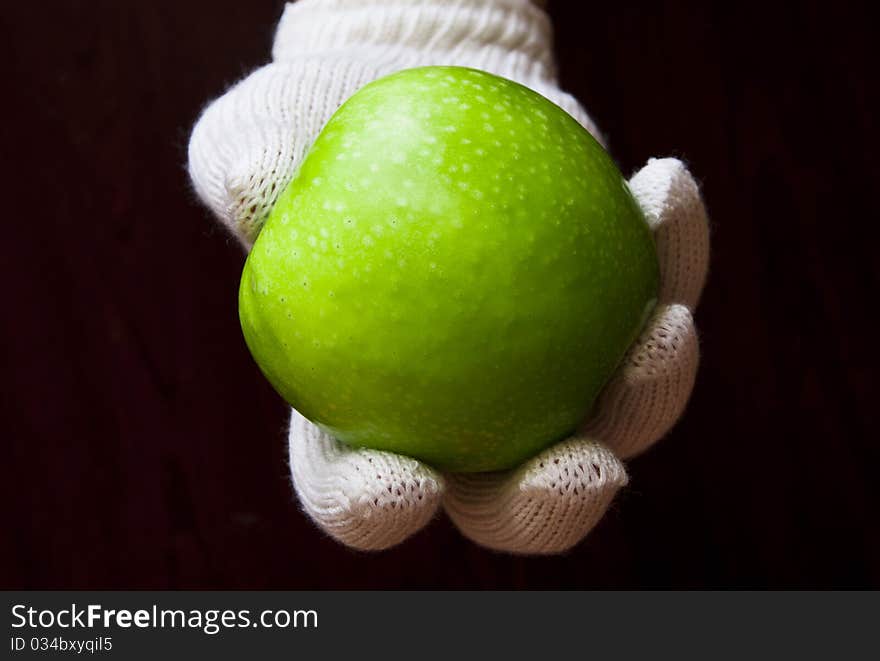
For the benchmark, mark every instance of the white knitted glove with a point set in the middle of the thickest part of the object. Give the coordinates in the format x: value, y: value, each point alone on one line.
x: 242, y: 154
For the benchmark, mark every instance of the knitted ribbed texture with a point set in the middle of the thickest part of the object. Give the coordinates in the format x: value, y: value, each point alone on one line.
x: 366, y: 499
x: 243, y: 152
x: 545, y: 506
x: 246, y: 145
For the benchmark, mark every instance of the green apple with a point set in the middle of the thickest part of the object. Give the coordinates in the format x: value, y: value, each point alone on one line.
x: 453, y: 273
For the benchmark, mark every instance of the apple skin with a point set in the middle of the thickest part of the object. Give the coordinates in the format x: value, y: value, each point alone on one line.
x: 453, y: 274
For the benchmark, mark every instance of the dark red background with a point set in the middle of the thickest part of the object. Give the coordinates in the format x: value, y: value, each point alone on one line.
x: 142, y: 448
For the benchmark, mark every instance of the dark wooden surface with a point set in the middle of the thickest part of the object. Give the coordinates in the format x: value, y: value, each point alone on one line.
x: 142, y: 448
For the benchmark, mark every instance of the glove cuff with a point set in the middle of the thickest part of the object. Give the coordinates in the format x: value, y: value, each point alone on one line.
x: 514, y: 36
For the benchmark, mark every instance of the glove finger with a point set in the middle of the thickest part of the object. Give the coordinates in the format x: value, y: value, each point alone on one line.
x: 366, y: 499
x: 674, y: 209
x: 651, y: 388
x: 545, y: 506
x: 246, y: 145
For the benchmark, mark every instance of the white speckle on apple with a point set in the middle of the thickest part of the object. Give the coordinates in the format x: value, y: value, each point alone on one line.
x: 317, y: 181
x: 374, y: 167
x: 488, y: 128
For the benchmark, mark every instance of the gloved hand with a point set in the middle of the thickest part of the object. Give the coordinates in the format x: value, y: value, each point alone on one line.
x: 244, y: 151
